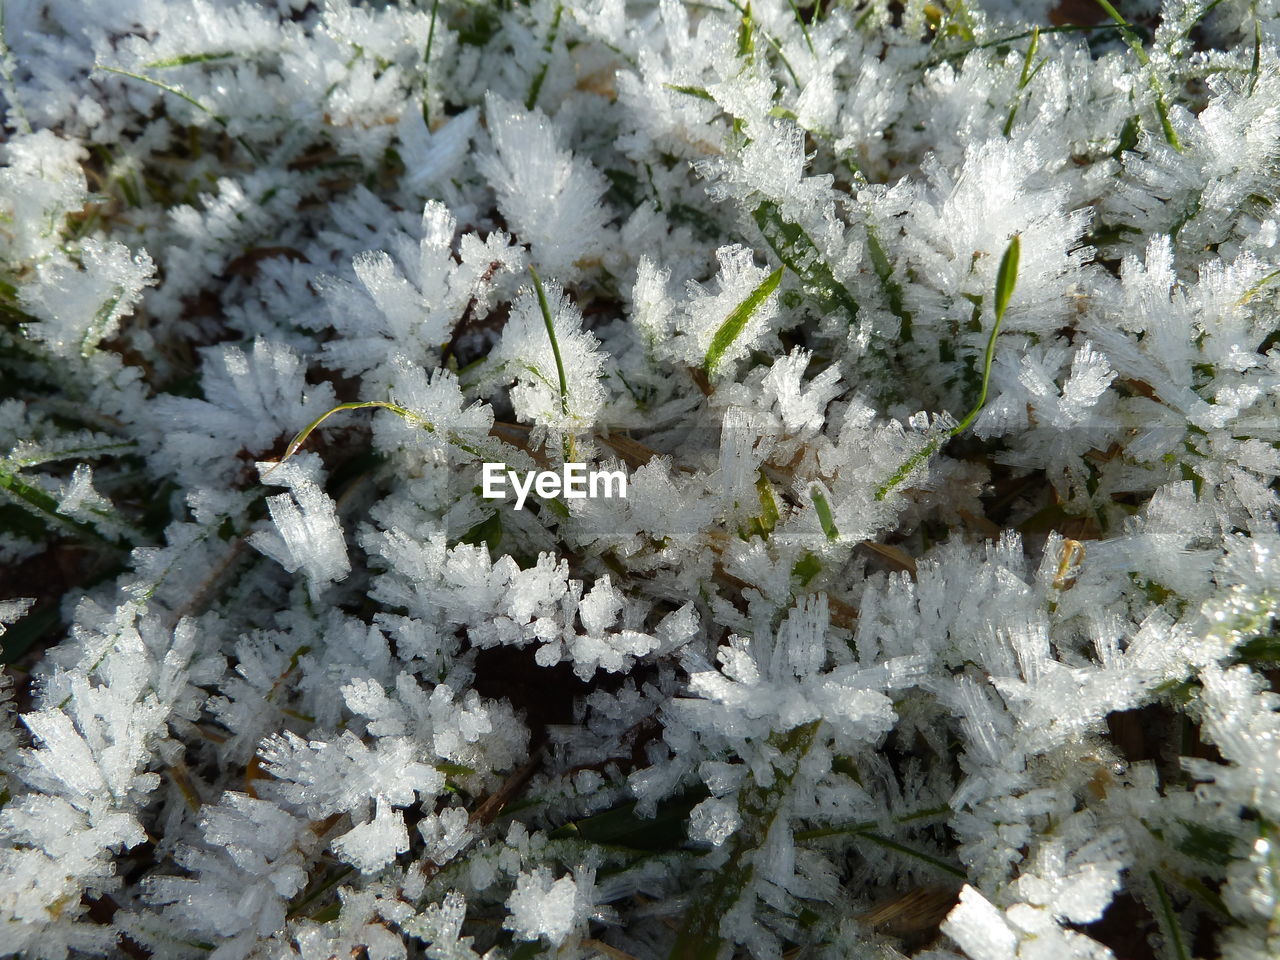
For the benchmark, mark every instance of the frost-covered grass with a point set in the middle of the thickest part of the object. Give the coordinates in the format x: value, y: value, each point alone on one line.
x: 939, y: 344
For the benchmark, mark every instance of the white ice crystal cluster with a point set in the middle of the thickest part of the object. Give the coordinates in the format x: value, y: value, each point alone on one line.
x: 938, y: 342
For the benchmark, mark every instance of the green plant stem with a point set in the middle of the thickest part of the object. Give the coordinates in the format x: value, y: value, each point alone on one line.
x: 1135, y: 44
x: 570, y: 453
x: 862, y: 826
x: 1006, y: 280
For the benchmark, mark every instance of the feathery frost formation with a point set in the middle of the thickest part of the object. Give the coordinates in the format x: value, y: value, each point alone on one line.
x: 938, y: 342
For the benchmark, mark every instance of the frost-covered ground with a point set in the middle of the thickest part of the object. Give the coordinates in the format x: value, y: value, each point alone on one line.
x: 939, y: 342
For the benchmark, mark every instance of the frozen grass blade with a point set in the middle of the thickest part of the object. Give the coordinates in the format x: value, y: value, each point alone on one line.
x: 733, y: 325
x: 10, y: 88
x: 1204, y: 12
x: 536, y: 87
x: 407, y: 415
x: 1257, y: 56
x: 551, y: 335
x: 426, y: 65
x: 698, y: 92
x: 1006, y: 280
x: 46, y: 507
x: 97, y: 450
x: 863, y: 826
x: 795, y: 249
x: 808, y: 41
x: 699, y: 937
x: 892, y: 290
x: 746, y: 38
x: 763, y: 523
x: 747, y: 44
x: 1257, y: 288
x: 189, y: 58
x: 1028, y: 74
x: 890, y: 844
x: 1135, y: 44
x: 904, y: 471
x: 1169, y: 918
x: 167, y: 88
x: 88, y: 343
x: 182, y: 95
x: 570, y: 452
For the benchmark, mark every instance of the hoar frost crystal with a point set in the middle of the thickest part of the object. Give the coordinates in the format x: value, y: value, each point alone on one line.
x: 935, y: 344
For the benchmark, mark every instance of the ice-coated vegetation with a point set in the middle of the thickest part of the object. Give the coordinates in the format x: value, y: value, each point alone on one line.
x: 938, y: 342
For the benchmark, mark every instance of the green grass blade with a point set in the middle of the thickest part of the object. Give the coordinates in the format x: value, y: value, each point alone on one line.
x: 551, y: 335
x: 1006, y: 281
x: 1135, y: 44
x: 407, y: 415
x: 536, y: 87
x: 1028, y: 74
x: 746, y: 38
x: 884, y: 273
x: 1013, y: 38
x: 1204, y: 12
x: 1032, y: 47
x: 795, y: 249
x: 808, y: 41
x: 169, y: 88
x: 825, y: 517
x: 698, y: 92
x: 862, y: 826
x: 1007, y: 276
x: 1162, y: 109
x: 570, y: 449
x: 301, y: 437
x: 806, y: 568
x: 1257, y: 288
x: 890, y: 844
x: 189, y: 58
x: 734, y: 324
x: 1257, y: 56
x: 426, y: 65
x: 23, y: 635
x: 1126, y: 31
x: 45, y: 506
